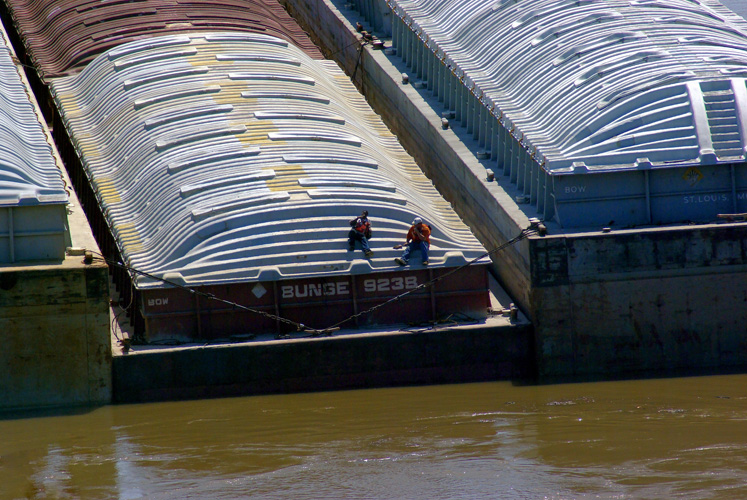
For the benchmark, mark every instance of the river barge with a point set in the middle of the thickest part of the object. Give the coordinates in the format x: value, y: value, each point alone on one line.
x: 54, y: 303
x: 196, y: 182
x: 232, y: 163
x: 275, y: 155
x: 619, y: 124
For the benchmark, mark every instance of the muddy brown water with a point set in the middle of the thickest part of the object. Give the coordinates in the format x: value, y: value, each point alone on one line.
x: 656, y: 438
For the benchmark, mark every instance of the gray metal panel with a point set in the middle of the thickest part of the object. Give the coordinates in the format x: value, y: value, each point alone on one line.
x: 737, y: 6
x: 33, y: 221
x: 598, y: 82
x: 584, y: 87
x: 231, y: 157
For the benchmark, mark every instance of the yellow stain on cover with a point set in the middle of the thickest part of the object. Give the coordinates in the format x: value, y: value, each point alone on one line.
x: 87, y: 148
x: 230, y: 92
x: 286, y: 178
x: 256, y: 133
x: 108, y: 191
x: 129, y: 236
x: 71, y: 106
x: 205, y: 55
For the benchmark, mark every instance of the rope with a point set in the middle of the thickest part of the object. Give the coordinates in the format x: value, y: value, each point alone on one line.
x: 329, y: 330
x: 210, y: 296
x: 358, y: 59
x: 422, y: 286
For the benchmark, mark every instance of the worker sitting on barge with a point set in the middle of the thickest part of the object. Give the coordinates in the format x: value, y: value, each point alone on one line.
x: 360, y: 231
x: 418, y: 238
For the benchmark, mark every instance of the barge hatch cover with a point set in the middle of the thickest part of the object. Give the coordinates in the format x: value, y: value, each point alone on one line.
x: 232, y: 164
x: 33, y: 199
x: 62, y: 37
x: 629, y: 113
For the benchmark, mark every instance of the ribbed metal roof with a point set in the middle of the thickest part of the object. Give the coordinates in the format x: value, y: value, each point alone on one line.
x: 599, y: 82
x: 227, y: 157
x: 29, y: 174
x: 62, y: 36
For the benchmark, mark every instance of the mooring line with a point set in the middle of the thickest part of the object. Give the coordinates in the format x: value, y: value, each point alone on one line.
x: 533, y: 228
x: 210, y: 296
x: 422, y: 286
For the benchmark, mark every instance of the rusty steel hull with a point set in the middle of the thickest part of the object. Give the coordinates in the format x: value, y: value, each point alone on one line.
x: 62, y: 37
x: 318, y: 303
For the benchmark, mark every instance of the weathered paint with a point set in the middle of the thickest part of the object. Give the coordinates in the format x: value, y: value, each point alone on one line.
x: 632, y: 301
x: 318, y: 303
x: 655, y: 300
x: 54, y: 327
x: 493, y: 351
x: 54, y: 313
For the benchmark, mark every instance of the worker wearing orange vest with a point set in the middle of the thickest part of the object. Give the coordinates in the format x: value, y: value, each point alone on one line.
x: 418, y: 238
x: 360, y: 231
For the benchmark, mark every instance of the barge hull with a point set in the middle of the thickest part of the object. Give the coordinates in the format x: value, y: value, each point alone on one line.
x: 496, y: 350
x: 687, y: 307
x: 320, y: 303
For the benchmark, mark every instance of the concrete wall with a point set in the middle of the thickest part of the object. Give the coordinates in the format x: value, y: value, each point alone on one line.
x: 600, y: 304
x: 55, y: 345
x: 467, y: 353
x: 641, y: 301
x: 54, y: 331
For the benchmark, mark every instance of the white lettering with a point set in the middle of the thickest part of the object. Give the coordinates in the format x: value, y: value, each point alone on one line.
x: 575, y: 189
x: 705, y: 198
x: 158, y: 302
x: 342, y: 287
x: 314, y: 290
x: 390, y: 284
x: 742, y: 196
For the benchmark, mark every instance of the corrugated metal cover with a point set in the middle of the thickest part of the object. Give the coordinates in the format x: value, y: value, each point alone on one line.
x: 226, y: 157
x: 28, y: 171
x: 602, y: 83
x: 32, y: 192
x: 62, y: 36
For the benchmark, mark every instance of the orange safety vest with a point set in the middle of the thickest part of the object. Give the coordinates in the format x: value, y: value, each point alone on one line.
x: 361, y: 225
x: 425, y: 230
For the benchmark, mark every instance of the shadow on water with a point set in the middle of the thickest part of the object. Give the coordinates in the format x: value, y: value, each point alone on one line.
x: 524, y: 378
x: 669, y: 373
x: 54, y: 411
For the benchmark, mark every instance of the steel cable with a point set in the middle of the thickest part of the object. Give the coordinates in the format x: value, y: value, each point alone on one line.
x: 422, y: 286
x: 329, y: 330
